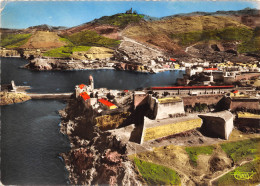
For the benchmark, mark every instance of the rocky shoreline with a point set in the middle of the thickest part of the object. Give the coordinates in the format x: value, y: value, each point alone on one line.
x: 8, y: 98
x: 47, y: 64
x: 43, y: 64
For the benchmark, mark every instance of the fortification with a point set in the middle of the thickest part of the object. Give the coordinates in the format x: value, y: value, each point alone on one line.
x: 218, y: 124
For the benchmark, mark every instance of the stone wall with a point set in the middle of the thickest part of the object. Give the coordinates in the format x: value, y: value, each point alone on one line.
x: 209, y: 100
x: 165, y: 109
x: 245, y: 103
x: 248, y: 124
x: 219, y: 124
x: 8, y: 53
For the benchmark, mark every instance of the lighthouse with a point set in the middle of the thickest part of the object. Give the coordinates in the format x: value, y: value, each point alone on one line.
x: 91, y: 82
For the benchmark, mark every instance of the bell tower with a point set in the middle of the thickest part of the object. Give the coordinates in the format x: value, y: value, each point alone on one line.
x: 91, y: 82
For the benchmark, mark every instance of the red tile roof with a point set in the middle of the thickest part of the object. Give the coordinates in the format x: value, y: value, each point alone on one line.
x: 84, y: 95
x: 105, y: 102
x: 210, y: 68
x: 81, y: 86
x: 191, y: 87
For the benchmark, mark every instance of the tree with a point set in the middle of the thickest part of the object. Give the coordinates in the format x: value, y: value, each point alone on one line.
x: 2, y: 5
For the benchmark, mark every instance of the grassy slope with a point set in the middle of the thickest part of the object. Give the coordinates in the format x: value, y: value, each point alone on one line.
x: 120, y: 20
x: 241, y: 150
x: 224, y: 34
x: 155, y: 174
x: 91, y: 38
x: 188, y: 30
x: 81, y: 41
x: 252, y: 167
x: 252, y: 44
x: 195, y: 151
x: 14, y: 40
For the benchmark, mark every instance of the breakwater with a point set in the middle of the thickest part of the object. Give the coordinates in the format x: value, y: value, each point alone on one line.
x: 50, y: 96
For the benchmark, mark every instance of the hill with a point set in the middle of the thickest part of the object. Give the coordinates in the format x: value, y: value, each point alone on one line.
x: 176, y: 33
x: 43, y: 40
x: 236, y: 31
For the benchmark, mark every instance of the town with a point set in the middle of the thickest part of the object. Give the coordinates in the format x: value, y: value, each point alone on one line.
x: 131, y: 99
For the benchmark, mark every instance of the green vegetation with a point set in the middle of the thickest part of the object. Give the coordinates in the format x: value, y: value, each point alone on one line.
x: 253, y: 170
x: 240, y: 150
x: 200, y: 107
x: 155, y: 174
x: 14, y: 40
x: 252, y: 45
x: 195, y: 151
x: 66, y: 41
x: 226, y: 34
x: 65, y: 51
x: 120, y: 20
x: 91, y: 38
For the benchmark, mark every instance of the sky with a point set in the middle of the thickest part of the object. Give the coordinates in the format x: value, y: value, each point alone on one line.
x: 23, y: 14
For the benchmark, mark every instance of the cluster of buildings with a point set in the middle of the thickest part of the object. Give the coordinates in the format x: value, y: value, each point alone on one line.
x: 220, y: 73
x: 111, y: 109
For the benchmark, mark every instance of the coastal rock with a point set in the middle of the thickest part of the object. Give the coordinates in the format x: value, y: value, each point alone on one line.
x: 96, y: 157
x: 12, y: 97
x: 41, y: 64
x: 101, y: 162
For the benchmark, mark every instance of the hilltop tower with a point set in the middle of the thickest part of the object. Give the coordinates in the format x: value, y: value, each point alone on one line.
x: 91, y: 82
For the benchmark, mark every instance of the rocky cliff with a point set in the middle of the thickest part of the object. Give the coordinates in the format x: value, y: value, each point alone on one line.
x: 96, y: 157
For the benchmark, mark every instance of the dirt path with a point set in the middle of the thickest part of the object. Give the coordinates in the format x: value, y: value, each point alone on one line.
x: 242, y: 163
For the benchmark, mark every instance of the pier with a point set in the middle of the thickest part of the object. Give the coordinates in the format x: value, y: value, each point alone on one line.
x: 50, y: 95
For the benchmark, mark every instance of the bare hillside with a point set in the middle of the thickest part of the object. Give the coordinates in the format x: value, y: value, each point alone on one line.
x: 44, y: 40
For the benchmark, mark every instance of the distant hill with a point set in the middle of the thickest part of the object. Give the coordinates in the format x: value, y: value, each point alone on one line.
x: 46, y: 27
x: 171, y: 34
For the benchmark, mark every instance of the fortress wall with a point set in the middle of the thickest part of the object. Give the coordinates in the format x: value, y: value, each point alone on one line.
x: 229, y: 125
x: 165, y: 109
x: 192, y: 100
x: 246, y: 124
x: 140, y: 99
x: 244, y: 103
x: 219, y: 124
x: 153, y: 107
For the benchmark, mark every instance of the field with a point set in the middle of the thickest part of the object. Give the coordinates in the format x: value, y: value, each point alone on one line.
x: 65, y: 51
